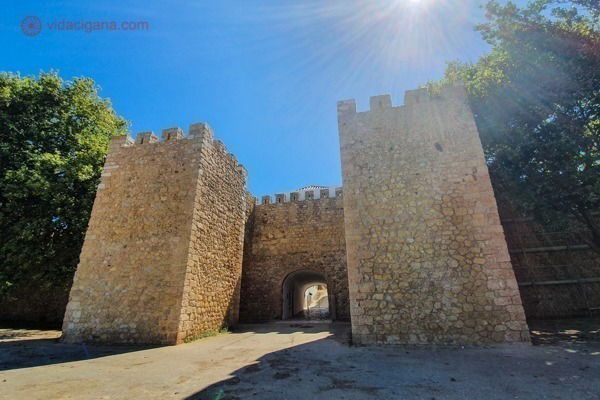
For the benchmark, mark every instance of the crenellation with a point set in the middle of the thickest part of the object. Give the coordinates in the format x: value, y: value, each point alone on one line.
x: 346, y: 108
x: 146, y: 138
x: 201, y: 132
x: 219, y: 146
x: 266, y: 200
x: 243, y: 172
x: 172, y: 134
x: 306, y: 195
x: 416, y: 96
x: 233, y: 159
x: 120, y: 141
x: 380, y: 102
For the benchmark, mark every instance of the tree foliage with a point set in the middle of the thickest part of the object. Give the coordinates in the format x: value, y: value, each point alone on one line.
x: 536, y: 99
x: 53, y: 140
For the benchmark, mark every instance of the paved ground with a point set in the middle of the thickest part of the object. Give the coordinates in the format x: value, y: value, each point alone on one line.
x: 302, y: 361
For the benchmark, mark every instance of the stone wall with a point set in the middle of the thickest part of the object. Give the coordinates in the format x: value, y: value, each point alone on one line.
x: 291, y: 236
x: 557, y: 272
x: 162, y: 255
x: 36, y: 304
x: 427, y: 258
x: 414, y: 251
x: 212, y: 284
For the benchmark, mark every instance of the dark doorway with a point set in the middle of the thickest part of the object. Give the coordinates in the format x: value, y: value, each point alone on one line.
x: 305, y: 296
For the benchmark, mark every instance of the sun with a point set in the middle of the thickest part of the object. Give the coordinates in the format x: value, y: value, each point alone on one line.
x: 419, y: 3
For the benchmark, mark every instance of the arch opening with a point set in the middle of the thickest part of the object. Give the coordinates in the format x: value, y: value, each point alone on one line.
x: 305, y: 296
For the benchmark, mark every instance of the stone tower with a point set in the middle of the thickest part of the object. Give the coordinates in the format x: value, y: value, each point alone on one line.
x: 162, y: 256
x: 427, y: 257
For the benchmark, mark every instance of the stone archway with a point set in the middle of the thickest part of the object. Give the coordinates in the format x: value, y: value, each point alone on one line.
x: 303, y: 290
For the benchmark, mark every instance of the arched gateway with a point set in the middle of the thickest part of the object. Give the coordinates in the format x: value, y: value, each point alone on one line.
x: 305, y: 295
x: 292, y: 243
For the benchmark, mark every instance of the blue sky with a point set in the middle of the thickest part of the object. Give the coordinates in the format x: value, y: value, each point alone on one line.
x: 265, y: 74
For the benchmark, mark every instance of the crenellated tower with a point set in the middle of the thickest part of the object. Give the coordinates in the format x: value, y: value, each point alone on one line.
x: 162, y: 256
x: 427, y: 257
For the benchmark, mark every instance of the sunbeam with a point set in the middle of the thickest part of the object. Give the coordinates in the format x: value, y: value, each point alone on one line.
x: 374, y: 35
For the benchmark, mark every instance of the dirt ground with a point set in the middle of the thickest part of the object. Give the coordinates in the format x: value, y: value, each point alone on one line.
x: 303, y: 360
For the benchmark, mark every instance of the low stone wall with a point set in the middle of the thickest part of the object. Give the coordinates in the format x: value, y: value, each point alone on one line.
x: 44, y: 306
x: 291, y: 236
x: 557, y: 272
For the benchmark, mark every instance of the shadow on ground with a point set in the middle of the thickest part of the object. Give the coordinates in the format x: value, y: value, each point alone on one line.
x: 563, y: 365
x: 24, y: 348
x: 21, y: 348
x: 296, y: 360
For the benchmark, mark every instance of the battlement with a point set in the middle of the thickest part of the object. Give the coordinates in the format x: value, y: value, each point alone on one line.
x: 347, y: 108
x: 418, y: 194
x: 199, y: 133
x: 171, y: 210
x: 304, y: 194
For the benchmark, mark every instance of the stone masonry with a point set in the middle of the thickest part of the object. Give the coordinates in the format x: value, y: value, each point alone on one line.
x: 162, y: 257
x: 427, y: 257
x: 290, y: 235
x: 412, y: 252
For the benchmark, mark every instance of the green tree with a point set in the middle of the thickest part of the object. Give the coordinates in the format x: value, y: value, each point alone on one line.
x: 536, y: 100
x: 54, y: 137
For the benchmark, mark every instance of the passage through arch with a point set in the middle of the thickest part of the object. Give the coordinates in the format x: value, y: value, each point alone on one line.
x: 305, y: 295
